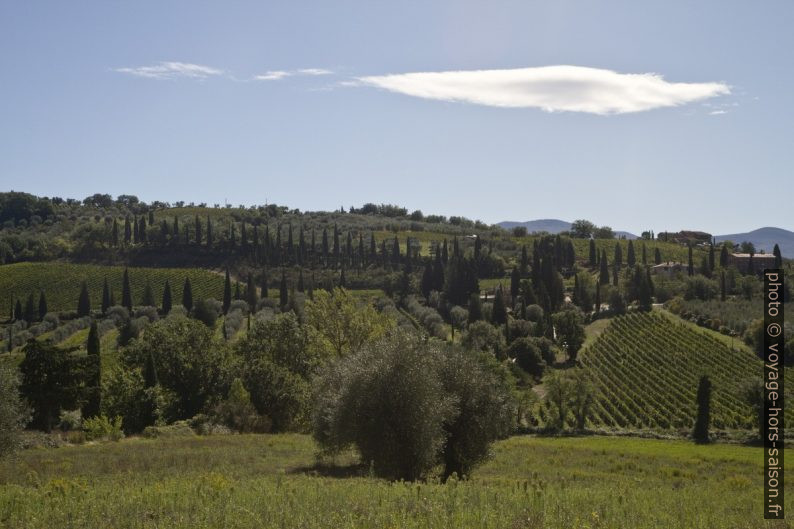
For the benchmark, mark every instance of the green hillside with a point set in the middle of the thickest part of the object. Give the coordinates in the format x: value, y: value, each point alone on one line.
x: 61, y: 283
x: 646, y: 368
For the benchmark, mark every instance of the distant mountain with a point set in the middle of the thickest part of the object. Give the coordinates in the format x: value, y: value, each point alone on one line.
x: 552, y: 226
x: 765, y: 239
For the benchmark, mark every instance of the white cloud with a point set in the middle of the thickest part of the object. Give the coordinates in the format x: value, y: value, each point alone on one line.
x: 172, y: 70
x: 272, y: 75
x: 718, y: 112
x: 551, y: 88
x: 277, y: 75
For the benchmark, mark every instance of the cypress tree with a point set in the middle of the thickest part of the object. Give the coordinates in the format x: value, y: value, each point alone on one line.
x: 395, y: 251
x: 150, y: 372
x: 29, y: 313
x: 167, y: 303
x: 18, y: 313
x: 592, y: 258
x: 644, y: 255
x: 703, y: 420
x: 723, y: 290
x: 515, y: 284
x: 690, y: 269
x: 94, y: 380
x: 176, y: 229
x: 151, y: 217
x: 186, y: 233
x: 618, y: 256
x: 227, y: 292
x: 361, y: 253
x: 342, y: 280
x: 187, y: 295
x: 724, y: 256
x: 135, y: 231
x: 244, y: 237
x: 336, y: 245
x: 142, y: 228
x: 263, y: 283
x: 631, y: 259
x: 115, y: 233
x: 105, y: 296
x: 604, y: 272
x: 283, y: 295
x: 250, y: 293
x: 148, y: 295
x: 778, y: 256
x: 373, y: 248
x: 126, y: 293
x: 475, y: 307
x: 300, y: 281
x: 197, y: 222
x: 598, y: 298
x: 237, y: 295
x: 657, y: 256
x: 83, y: 302
x: 209, y: 232
x: 499, y: 311
x: 524, y: 268
x: 325, y: 247
x: 127, y: 230
x: 42, y: 305
x: 711, y: 259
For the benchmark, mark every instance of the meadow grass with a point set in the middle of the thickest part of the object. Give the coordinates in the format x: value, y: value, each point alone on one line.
x: 272, y: 481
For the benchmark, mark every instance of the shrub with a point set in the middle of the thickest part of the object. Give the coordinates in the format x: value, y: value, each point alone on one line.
x: 484, y: 337
x: 206, y: 312
x: 102, y: 428
x: 178, y: 429
x: 238, y: 413
x: 71, y: 420
x: 528, y: 356
x: 408, y: 404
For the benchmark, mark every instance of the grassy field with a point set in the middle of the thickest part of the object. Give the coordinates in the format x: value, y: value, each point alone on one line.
x: 61, y: 282
x: 272, y: 481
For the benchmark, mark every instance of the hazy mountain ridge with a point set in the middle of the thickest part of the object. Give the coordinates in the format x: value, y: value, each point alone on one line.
x: 763, y: 238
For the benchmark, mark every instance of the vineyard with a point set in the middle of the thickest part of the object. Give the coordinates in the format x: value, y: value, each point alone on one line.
x: 646, y: 369
x: 61, y: 283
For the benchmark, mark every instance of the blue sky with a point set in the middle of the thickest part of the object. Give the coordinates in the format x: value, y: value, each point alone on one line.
x: 458, y: 108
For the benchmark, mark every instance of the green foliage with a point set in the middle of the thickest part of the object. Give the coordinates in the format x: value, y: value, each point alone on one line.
x: 206, y: 312
x: 570, y: 331
x: 126, y: 395
x: 51, y: 381
x: 238, y: 413
x: 188, y: 361
x: 275, y: 361
x: 483, y: 337
x: 339, y: 326
x: 703, y: 419
x: 528, y: 356
x: 13, y: 412
x: 408, y: 404
x: 102, y: 428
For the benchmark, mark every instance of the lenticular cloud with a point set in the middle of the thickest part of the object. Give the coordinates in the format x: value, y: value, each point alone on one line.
x: 551, y: 88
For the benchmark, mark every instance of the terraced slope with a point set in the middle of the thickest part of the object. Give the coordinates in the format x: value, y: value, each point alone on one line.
x: 647, y: 366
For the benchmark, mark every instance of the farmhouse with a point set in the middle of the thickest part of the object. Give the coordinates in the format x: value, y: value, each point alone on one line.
x: 668, y: 269
x: 743, y: 262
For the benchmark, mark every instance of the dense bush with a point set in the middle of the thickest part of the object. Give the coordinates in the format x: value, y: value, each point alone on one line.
x: 528, y: 356
x: 408, y: 404
x: 186, y: 359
